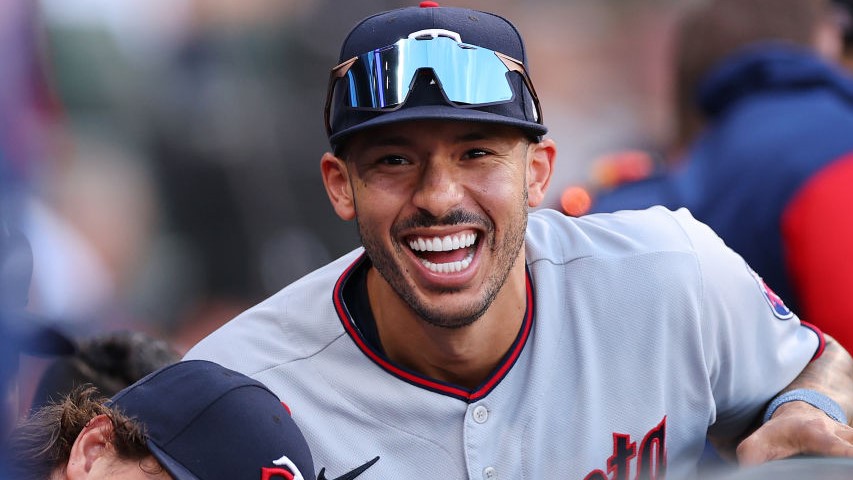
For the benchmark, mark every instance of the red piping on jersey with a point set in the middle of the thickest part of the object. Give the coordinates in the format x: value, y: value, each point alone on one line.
x: 821, y: 345
x: 419, y: 380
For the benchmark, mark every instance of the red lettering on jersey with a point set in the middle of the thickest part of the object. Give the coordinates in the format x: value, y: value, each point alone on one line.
x: 619, y: 464
x: 268, y: 473
x: 650, y: 458
x: 596, y: 475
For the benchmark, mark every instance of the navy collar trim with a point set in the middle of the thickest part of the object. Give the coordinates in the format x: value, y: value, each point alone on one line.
x: 416, y: 378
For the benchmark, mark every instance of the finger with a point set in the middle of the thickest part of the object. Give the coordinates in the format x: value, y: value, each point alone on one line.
x: 838, y: 443
x: 756, y: 449
x: 816, y: 439
x: 834, y: 440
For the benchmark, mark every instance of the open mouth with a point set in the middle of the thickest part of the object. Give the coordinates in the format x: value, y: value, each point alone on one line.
x: 447, y: 254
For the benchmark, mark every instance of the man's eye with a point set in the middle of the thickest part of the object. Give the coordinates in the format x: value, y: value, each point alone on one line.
x: 476, y: 153
x: 393, y: 160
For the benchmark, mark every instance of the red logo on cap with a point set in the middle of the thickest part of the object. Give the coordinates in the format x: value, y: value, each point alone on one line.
x: 429, y: 4
x: 270, y: 473
x: 286, y: 469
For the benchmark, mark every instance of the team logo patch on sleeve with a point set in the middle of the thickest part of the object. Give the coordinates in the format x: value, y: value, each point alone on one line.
x: 776, y: 304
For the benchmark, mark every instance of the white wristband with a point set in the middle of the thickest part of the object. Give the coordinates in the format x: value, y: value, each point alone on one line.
x: 813, y: 398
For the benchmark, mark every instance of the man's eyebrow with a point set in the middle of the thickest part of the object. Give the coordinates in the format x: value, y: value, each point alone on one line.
x: 390, y: 141
x: 472, y: 136
x: 393, y: 140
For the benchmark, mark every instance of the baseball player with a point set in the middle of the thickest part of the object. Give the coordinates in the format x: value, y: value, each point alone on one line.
x: 468, y: 339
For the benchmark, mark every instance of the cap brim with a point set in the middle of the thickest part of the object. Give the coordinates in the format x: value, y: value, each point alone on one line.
x: 175, y: 468
x: 439, y: 112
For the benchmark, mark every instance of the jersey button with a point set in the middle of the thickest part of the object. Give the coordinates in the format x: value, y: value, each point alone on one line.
x: 489, y: 473
x: 480, y: 414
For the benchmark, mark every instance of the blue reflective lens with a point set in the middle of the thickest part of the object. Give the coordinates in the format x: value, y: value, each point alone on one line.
x: 467, y: 74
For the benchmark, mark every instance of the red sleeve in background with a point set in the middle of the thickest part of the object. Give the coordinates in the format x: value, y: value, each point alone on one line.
x: 817, y: 233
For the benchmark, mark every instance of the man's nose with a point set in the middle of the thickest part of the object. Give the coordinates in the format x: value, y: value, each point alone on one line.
x: 439, y: 190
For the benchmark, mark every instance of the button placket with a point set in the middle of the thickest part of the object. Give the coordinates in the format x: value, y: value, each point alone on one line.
x: 480, y: 414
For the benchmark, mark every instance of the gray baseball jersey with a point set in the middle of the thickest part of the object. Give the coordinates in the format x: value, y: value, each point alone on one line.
x: 643, y: 332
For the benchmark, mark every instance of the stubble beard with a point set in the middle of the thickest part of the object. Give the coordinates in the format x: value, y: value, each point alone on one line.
x: 505, y: 256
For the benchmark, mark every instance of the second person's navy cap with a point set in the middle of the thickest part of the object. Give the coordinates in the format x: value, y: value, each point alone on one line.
x: 206, y: 422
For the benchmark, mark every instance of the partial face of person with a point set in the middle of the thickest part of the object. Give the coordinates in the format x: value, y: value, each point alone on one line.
x: 114, y: 468
x: 110, y: 467
x: 93, y: 457
x: 442, y: 210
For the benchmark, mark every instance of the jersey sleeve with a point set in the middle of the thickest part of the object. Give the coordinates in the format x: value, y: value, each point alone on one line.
x: 753, y: 344
x: 817, y: 231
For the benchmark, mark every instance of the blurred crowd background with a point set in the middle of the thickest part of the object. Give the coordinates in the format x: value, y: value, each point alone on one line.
x: 162, y: 155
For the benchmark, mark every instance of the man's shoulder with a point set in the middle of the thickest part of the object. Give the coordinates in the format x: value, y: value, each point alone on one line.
x: 626, y: 232
x: 295, y: 323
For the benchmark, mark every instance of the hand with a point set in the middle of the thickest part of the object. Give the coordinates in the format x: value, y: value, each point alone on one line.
x: 796, y: 428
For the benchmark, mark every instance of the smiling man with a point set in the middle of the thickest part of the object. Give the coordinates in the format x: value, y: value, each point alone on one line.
x: 442, y: 210
x: 470, y: 339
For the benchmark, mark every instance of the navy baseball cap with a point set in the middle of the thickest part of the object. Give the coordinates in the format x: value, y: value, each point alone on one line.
x: 431, y: 62
x: 206, y: 422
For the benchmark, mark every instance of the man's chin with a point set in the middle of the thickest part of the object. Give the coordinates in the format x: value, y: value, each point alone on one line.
x: 450, y: 323
x: 449, y: 318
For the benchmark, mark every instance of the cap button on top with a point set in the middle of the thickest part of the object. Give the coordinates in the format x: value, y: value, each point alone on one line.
x: 429, y: 4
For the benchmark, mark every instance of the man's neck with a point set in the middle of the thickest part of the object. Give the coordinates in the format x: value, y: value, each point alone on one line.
x: 462, y: 356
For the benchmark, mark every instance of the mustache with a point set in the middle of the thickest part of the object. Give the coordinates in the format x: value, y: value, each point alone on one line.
x: 455, y: 217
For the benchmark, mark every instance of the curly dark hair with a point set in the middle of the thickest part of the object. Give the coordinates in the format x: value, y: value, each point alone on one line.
x: 42, y: 442
x: 109, y: 361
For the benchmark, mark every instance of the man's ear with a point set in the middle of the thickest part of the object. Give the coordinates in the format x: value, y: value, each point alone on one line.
x: 540, y: 167
x: 92, y: 443
x: 338, y: 187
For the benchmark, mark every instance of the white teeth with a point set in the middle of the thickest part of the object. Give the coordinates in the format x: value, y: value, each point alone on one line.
x: 449, y: 267
x: 445, y: 244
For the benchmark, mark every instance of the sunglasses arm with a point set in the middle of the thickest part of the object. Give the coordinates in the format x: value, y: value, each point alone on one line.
x: 337, y: 72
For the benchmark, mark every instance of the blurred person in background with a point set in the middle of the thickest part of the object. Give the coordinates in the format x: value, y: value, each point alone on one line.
x: 109, y: 362
x: 20, y: 330
x: 764, y: 152
x: 844, y: 10
x: 80, y: 203
x: 81, y: 198
x: 26, y: 107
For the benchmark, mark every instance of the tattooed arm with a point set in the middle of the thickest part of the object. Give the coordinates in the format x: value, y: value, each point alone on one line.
x: 799, y: 428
